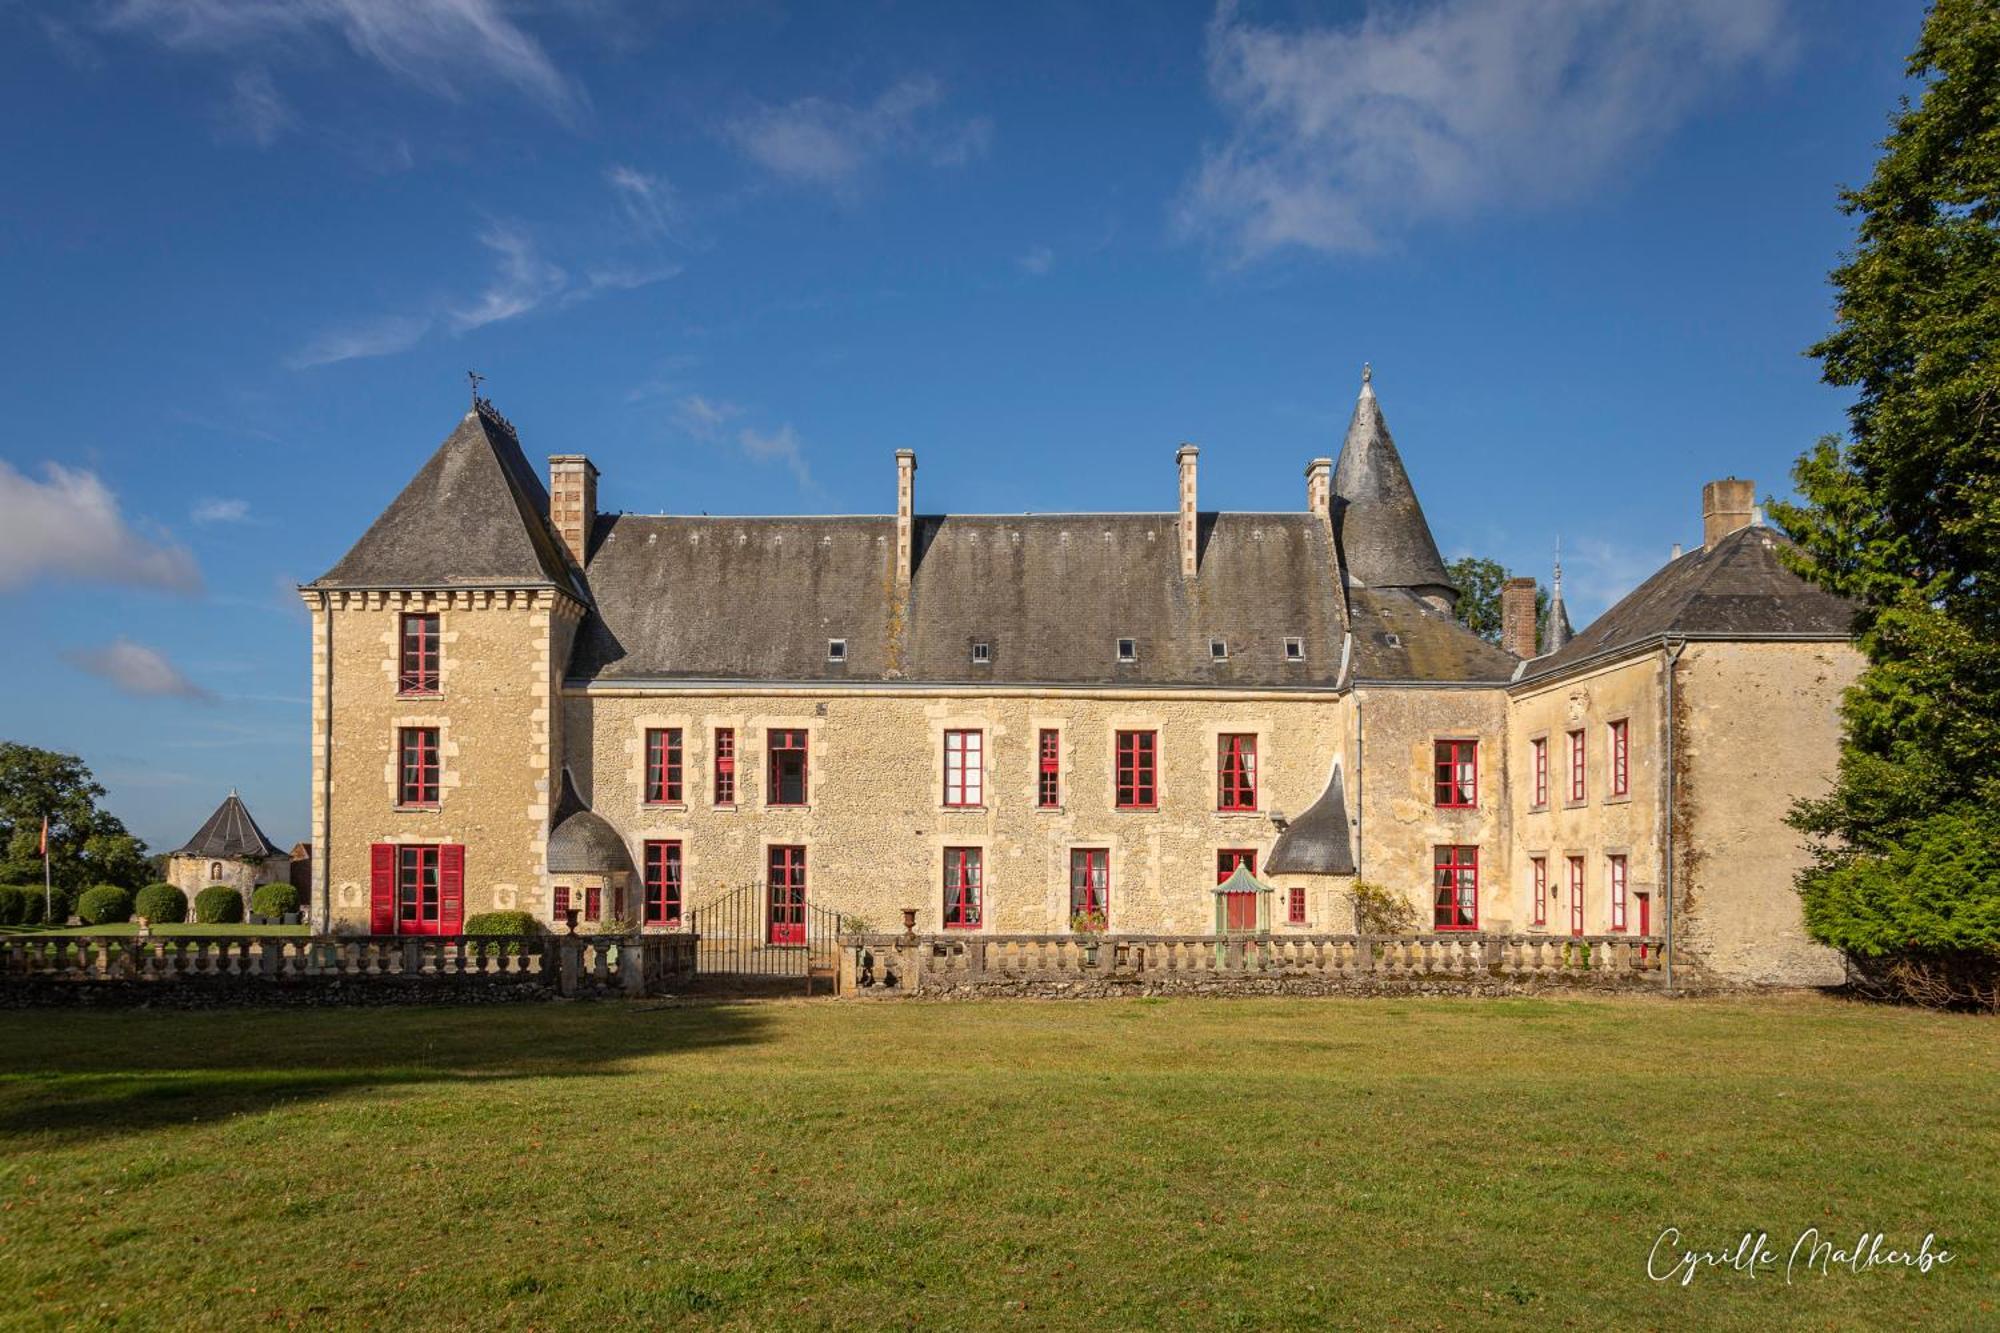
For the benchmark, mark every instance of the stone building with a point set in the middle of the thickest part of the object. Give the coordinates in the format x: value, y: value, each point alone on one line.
x: 228, y: 849
x: 1028, y: 723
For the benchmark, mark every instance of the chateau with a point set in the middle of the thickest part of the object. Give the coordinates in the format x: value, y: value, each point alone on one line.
x: 1021, y: 724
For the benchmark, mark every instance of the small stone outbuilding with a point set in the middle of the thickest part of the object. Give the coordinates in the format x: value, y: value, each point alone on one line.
x: 229, y: 849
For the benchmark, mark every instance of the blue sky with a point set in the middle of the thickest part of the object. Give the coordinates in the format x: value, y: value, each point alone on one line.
x: 740, y: 253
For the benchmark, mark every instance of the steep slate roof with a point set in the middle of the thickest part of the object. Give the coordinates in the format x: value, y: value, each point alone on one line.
x: 758, y: 598
x: 1316, y: 843
x: 230, y: 834
x: 581, y: 841
x: 1400, y: 637
x: 476, y: 514
x: 1736, y: 588
x: 1384, y: 539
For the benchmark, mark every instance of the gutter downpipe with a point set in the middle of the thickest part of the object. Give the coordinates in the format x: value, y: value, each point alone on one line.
x: 1674, y: 648
x: 323, y: 848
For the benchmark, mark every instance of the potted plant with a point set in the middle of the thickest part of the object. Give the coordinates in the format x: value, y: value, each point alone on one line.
x: 1088, y: 927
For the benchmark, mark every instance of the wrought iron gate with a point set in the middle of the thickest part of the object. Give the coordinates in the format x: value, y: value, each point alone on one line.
x: 743, y: 935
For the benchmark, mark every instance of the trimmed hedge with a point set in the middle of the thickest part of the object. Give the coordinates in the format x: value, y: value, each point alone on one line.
x: 502, y: 923
x: 20, y: 904
x: 105, y: 905
x: 274, y: 900
x: 161, y: 903
x: 218, y: 905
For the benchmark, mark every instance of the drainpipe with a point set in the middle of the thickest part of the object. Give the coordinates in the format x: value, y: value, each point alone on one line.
x: 1358, y: 779
x: 323, y: 847
x: 1674, y: 650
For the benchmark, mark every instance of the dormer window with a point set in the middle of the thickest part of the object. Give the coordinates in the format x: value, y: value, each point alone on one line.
x: 1218, y: 649
x: 1295, y: 649
x: 836, y: 650
x: 982, y: 654
x: 1128, y: 650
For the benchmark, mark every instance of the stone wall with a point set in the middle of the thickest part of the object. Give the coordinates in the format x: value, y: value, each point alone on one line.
x: 192, y: 874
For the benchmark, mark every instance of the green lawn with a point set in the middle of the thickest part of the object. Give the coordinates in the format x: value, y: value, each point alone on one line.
x: 1188, y: 1164
x: 127, y: 928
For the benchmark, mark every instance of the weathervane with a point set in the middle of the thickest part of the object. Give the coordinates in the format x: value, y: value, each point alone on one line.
x: 1367, y: 372
x: 476, y: 379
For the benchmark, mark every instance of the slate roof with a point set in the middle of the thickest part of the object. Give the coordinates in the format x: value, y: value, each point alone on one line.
x: 230, y: 834
x: 1384, y: 538
x: 1050, y: 594
x: 1317, y: 842
x: 581, y: 841
x: 476, y: 514
x: 1737, y: 588
x: 1398, y: 636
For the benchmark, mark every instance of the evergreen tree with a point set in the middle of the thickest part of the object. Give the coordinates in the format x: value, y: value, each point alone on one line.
x: 1904, y: 518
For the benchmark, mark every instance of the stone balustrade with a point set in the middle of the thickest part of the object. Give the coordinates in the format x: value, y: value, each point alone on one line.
x: 1082, y: 965
x: 414, y: 967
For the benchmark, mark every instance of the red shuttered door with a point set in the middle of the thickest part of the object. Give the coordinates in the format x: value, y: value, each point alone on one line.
x: 451, y: 889
x: 382, y: 889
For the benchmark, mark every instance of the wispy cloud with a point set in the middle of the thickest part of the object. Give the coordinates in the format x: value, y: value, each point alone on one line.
x: 648, y: 200
x: 815, y: 141
x: 524, y: 280
x: 255, y: 110
x: 221, y: 511
x: 1037, y: 261
x: 384, y: 336
x: 779, y: 446
x: 1342, y: 135
x: 703, y: 419
x: 137, y: 670
x: 445, y: 47
x: 68, y: 525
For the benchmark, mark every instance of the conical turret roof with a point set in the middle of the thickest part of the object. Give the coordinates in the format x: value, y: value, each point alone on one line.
x: 1384, y: 540
x: 230, y: 835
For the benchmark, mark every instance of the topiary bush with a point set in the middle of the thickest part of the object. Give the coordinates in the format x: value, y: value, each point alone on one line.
x: 161, y: 903
x: 105, y: 905
x: 12, y: 905
x: 274, y: 900
x: 30, y: 905
x: 502, y: 923
x: 62, y: 903
x: 218, y: 905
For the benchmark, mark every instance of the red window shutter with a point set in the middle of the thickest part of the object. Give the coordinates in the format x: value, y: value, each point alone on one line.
x: 382, y: 889
x: 451, y: 888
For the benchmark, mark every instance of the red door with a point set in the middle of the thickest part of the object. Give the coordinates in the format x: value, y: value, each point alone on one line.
x: 1645, y: 919
x: 1239, y: 911
x: 788, y: 895
x: 419, y: 903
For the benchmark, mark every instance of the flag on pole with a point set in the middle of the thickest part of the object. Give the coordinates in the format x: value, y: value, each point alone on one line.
x: 43, y: 850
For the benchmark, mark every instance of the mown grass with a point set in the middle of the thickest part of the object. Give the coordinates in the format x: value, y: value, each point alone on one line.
x: 1183, y: 1164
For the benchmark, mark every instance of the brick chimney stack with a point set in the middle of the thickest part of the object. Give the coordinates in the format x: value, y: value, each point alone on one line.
x: 1517, y: 617
x: 906, y: 517
x: 573, y: 503
x: 1185, y: 456
x: 1319, y: 488
x: 1726, y: 506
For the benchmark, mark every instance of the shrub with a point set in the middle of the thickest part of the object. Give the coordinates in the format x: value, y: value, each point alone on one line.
x: 12, y: 905
x: 1380, y: 911
x: 502, y: 923
x: 161, y: 903
x: 105, y: 905
x: 274, y: 900
x: 218, y: 905
x: 30, y: 905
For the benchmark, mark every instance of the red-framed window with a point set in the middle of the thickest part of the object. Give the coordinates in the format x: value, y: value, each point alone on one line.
x: 1455, y: 774
x: 963, y: 881
x: 1540, y: 746
x: 1090, y: 882
x: 788, y: 894
x: 1614, y: 883
x: 663, y: 883
x: 964, y: 768
x: 1538, y: 869
x: 559, y: 903
x: 1295, y: 908
x: 1456, y: 879
x: 787, y: 785
x: 1138, y: 758
x: 417, y: 658
x: 1579, y: 783
x: 1576, y: 895
x: 417, y: 766
x: 1236, y: 772
x: 1621, y: 757
x: 416, y: 890
x: 725, y: 766
x: 1048, y: 782
x: 1229, y: 858
x: 663, y: 766
x: 593, y: 903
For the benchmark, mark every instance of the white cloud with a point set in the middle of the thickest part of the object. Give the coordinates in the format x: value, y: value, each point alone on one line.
x: 221, y: 511
x: 445, y: 47
x: 524, y: 281
x: 1342, y: 135
x: 779, y: 446
x: 376, y: 337
x: 137, y: 670
x: 814, y: 141
x: 648, y: 200
x: 704, y: 419
x: 1038, y: 261
x: 69, y: 526
x: 255, y: 110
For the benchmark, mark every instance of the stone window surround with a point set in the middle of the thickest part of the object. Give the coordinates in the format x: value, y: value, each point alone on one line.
x: 758, y: 737
x: 1429, y: 788
x: 448, y: 776
x: 1260, y: 730
x: 939, y: 844
x: 1152, y: 722
x: 635, y: 750
x: 1112, y: 870
x: 1544, y: 735
x: 1611, y: 797
x: 1060, y: 726
x: 988, y: 737
x: 1570, y: 801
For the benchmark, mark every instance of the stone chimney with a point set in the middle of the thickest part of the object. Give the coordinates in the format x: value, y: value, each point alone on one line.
x: 1726, y: 506
x: 573, y: 502
x: 1185, y: 456
x: 906, y: 517
x: 1319, y: 488
x: 1517, y: 617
